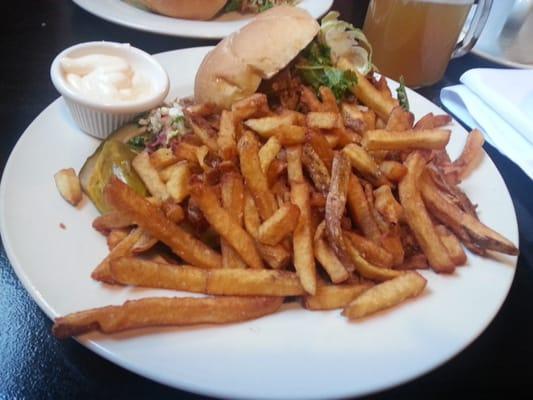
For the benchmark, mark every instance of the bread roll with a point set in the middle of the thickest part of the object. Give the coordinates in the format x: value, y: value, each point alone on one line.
x: 235, y: 67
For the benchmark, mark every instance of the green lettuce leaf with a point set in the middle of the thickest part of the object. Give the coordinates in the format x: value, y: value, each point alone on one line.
x: 401, y: 95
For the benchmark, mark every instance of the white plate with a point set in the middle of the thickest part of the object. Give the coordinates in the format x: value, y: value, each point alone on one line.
x: 292, y: 354
x: 127, y: 14
x: 493, y: 53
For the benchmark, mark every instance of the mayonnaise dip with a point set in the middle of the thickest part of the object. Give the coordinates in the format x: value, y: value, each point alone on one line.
x: 105, y: 78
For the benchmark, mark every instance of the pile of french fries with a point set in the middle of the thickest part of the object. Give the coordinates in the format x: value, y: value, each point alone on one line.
x: 334, y: 204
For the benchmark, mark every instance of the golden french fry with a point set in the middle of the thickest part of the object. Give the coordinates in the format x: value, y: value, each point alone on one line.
x: 455, y: 218
x: 369, y: 95
x: 289, y: 135
x: 161, y: 311
x: 426, y: 122
x: 330, y: 297
x: 380, y: 139
x: 149, y: 175
x: 400, y: 120
x: 102, y: 271
x: 267, y: 124
x: 366, y: 269
x: 329, y: 101
x: 416, y: 261
x: 386, y: 204
x: 332, y: 139
x: 326, y: 257
x: 385, y: 295
x: 322, y: 120
x: 268, y: 153
x: 178, y: 182
x: 254, y: 176
x: 418, y: 218
x: 309, y: 99
x: 471, y: 155
x: 186, y: 152
x: 393, y: 170
x: 255, y: 105
x: 452, y: 244
x: 441, y: 120
x: 335, y: 206
x: 353, y: 117
x: 364, y: 164
x: 360, y: 210
x: 205, y: 132
x: 226, y: 225
x: 151, y: 219
x: 370, y: 251
x: 321, y: 147
x: 111, y: 220
x: 316, y: 168
x: 279, y: 225
x: 68, y: 184
x: 115, y: 236
x: 173, y: 211
x: 162, y: 157
x: 232, y: 194
x: 144, y: 243
x: 294, y: 164
x: 226, y: 136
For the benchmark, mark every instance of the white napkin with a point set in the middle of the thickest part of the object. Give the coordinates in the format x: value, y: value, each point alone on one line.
x: 500, y: 103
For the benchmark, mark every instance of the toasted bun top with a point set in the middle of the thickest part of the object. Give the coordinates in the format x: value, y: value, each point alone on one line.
x: 188, y: 9
x: 235, y: 67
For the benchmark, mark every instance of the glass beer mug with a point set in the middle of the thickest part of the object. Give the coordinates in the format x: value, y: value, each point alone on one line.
x: 416, y: 38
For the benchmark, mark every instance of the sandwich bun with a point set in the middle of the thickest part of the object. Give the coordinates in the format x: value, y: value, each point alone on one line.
x: 235, y: 68
x: 188, y: 9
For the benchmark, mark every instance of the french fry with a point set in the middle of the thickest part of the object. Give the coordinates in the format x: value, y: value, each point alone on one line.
x: 173, y: 211
x: 255, y: 105
x: 452, y: 244
x: 400, y: 120
x: 275, y: 171
x: 471, y: 155
x: 102, y: 271
x: 321, y: 147
x: 416, y: 261
x: 226, y: 225
x: 161, y: 311
x: 330, y: 297
x: 360, y: 210
x: 329, y: 101
x: 250, y: 282
x: 366, y: 269
x: 309, y: 99
x: 279, y: 225
x: 369, y: 95
x: 418, y: 218
x: 111, y: 220
x: 254, y: 177
x: 387, y: 205
x: 178, y: 182
x: 294, y: 164
x: 385, y: 295
x: 151, y: 219
x: 441, y: 120
x: 369, y: 117
x: 144, y: 243
x: 68, y: 184
x: 326, y: 257
x: 115, y: 236
x: 332, y: 139
x: 335, y: 206
x: 232, y: 194
x: 316, y: 168
x: 162, y: 157
x: 455, y: 219
x: 200, y: 110
x: 268, y: 124
x: 393, y: 170
x: 277, y: 257
x: 226, y: 139
x: 370, y: 251
x: 426, y: 122
x: 186, y: 152
x: 391, y: 241
x: 268, y: 153
x: 322, y: 120
x: 204, y: 131
x: 149, y: 175
x: 365, y: 164
x: 302, y: 238
x: 353, y: 117
x: 381, y: 139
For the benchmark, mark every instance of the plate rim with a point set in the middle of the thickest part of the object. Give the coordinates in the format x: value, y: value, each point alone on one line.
x: 93, y: 345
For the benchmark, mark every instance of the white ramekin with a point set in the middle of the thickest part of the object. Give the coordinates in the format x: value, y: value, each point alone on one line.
x: 100, y: 119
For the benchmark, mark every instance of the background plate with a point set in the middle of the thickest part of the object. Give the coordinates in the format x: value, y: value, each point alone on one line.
x: 124, y: 13
x: 292, y: 354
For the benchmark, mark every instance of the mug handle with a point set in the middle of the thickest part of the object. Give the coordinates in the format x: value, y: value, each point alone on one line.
x: 481, y: 14
x: 519, y: 13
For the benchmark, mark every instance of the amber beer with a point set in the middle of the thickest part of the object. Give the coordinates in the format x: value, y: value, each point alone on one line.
x: 414, y: 38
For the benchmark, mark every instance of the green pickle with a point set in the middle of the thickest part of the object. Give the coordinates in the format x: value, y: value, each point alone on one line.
x: 112, y: 158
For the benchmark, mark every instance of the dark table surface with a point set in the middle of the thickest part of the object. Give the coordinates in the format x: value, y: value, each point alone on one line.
x: 34, y: 365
